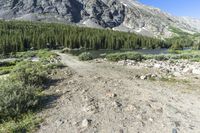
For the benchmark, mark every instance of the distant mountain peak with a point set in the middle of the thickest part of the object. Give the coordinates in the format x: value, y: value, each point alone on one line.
x: 123, y: 15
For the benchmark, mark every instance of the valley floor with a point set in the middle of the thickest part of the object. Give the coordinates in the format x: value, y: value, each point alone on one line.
x: 107, y: 98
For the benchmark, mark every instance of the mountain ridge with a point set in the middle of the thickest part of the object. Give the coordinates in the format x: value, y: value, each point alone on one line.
x: 122, y: 15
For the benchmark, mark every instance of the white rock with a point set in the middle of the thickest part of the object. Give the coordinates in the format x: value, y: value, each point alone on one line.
x: 196, y: 71
x: 86, y: 123
x: 121, y: 62
x: 157, y: 65
x: 143, y: 77
x: 187, y: 70
x: 177, y: 74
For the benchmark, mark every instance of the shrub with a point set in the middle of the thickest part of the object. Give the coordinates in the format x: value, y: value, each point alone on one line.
x: 124, y: 56
x: 32, y: 73
x: 116, y: 56
x: 56, y: 65
x: 15, y: 98
x: 85, y: 56
x: 161, y: 57
x: 134, y: 56
x: 176, y: 46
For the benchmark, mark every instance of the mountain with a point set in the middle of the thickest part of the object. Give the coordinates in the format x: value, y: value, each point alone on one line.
x: 122, y: 15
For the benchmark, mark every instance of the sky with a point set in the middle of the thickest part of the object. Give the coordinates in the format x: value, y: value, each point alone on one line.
x: 190, y: 8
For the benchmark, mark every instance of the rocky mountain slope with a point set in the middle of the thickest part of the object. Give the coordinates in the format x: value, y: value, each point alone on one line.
x: 123, y: 15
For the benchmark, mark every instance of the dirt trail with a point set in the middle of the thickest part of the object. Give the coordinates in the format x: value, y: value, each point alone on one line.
x: 105, y: 98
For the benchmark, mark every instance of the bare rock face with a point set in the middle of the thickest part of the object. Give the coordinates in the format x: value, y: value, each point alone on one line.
x: 123, y: 15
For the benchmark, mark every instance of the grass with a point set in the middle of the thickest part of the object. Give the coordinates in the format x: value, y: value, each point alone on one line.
x: 192, y: 55
x: 5, y: 70
x: 116, y: 55
x: 45, y: 56
x: 26, y: 123
x: 7, y: 66
x: 42, y: 54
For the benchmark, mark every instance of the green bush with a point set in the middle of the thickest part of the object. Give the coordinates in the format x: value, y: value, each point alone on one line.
x: 85, y: 56
x: 124, y: 56
x: 161, y: 57
x: 134, y: 56
x: 116, y: 56
x: 16, y: 98
x: 56, y: 65
x: 176, y: 46
x: 32, y: 73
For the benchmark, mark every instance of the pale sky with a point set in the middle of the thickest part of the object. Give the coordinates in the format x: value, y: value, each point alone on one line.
x: 189, y: 8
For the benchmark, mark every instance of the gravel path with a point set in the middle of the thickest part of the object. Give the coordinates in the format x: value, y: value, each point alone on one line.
x: 107, y: 98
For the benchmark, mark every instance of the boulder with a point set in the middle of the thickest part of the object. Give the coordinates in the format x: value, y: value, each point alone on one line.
x: 196, y: 71
x: 187, y: 70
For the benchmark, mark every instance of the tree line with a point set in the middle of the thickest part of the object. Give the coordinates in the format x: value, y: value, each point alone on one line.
x: 18, y: 36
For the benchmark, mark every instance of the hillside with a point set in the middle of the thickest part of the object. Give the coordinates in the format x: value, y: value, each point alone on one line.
x: 123, y: 15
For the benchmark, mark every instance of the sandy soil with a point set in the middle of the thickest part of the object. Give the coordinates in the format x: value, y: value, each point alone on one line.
x: 107, y: 98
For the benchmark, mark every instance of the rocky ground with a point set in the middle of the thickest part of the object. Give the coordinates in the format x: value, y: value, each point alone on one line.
x: 168, y: 68
x: 104, y: 97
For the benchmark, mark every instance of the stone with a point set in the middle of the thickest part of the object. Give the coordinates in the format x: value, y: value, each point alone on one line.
x: 151, y: 119
x: 86, y: 123
x: 187, y: 70
x: 157, y: 65
x: 196, y: 71
x: 177, y: 74
x: 144, y: 77
x: 130, y: 108
x: 111, y: 95
x: 117, y: 104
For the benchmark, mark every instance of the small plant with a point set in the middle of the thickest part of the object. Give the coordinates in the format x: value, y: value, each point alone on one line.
x: 85, y: 56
